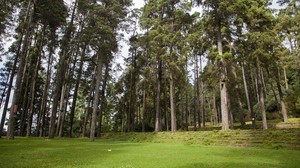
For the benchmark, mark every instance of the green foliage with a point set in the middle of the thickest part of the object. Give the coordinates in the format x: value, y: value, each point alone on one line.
x: 51, y: 12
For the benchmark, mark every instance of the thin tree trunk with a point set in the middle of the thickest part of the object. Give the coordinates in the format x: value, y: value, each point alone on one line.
x: 172, y: 103
x: 230, y: 114
x: 17, y: 92
x: 63, y: 115
x: 98, y: 76
x: 61, y: 108
x: 61, y: 74
x: 45, y: 93
x: 286, y: 81
x: 158, y: 93
x: 86, y: 116
x: 76, y: 90
x: 249, y: 100
x: 185, y: 118
x: 2, y: 97
x: 261, y: 95
x: 144, y: 109
x: 282, y: 103
x: 32, y: 95
x: 102, y: 107
x: 215, y: 111
x: 196, y: 96
x: 33, y: 85
x: 264, y: 84
x: 256, y: 88
x: 237, y: 94
x: 201, y: 89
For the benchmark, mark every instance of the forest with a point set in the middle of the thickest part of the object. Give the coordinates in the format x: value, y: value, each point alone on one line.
x: 191, y: 64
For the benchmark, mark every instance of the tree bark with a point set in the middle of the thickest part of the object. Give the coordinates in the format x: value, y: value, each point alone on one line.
x: 102, y: 107
x: 215, y: 111
x: 223, y: 83
x: 2, y: 97
x: 17, y: 92
x: 45, y: 93
x: 285, y: 79
x: 248, y: 98
x: 79, y: 74
x: 261, y: 95
x: 237, y: 94
x: 98, y: 76
x: 158, y: 93
x: 172, y: 103
x: 282, y: 103
x: 60, y: 76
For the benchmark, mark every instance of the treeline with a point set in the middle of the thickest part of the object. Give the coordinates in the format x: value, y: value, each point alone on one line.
x: 231, y: 61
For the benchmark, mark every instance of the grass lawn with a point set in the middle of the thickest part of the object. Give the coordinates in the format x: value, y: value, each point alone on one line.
x: 35, y: 152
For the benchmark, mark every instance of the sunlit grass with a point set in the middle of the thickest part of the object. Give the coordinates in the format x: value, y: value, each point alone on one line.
x: 34, y: 152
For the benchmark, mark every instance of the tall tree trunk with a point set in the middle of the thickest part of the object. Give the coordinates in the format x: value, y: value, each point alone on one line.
x: 45, y: 93
x: 223, y: 83
x: 185, y: 118
x: 215, y: 111
x: 102, y: 106
x: 98, y: 76
x: 144, y: 109
x: 17, y: 92
x: 64, y: 110
x: 261, y: 95
x: 237, y: 94
x: 172, y: 103
x: 61, y: 108
x: 32, y: 95
x: 282, y: 103
x: 79, y: 74
x: 286, y: 81
x: 158, y: 93
x: 196, y: 93
x: 2, y: 97
x: 33, y: 84
x: 61, y: 74
x: 86, y: 116
x: 248, y: 97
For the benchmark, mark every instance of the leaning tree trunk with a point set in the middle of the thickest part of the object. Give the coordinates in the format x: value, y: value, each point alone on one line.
x: 17, y: 92
x: 2, y: 97
x: 261, y: 95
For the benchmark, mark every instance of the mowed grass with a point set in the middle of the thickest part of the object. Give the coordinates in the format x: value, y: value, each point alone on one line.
x: 64, y: 153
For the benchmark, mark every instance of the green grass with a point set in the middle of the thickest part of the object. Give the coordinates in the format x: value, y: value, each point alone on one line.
x: 64, y: 153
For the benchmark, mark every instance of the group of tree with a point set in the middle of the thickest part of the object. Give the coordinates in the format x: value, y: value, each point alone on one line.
x: 229, y: 61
